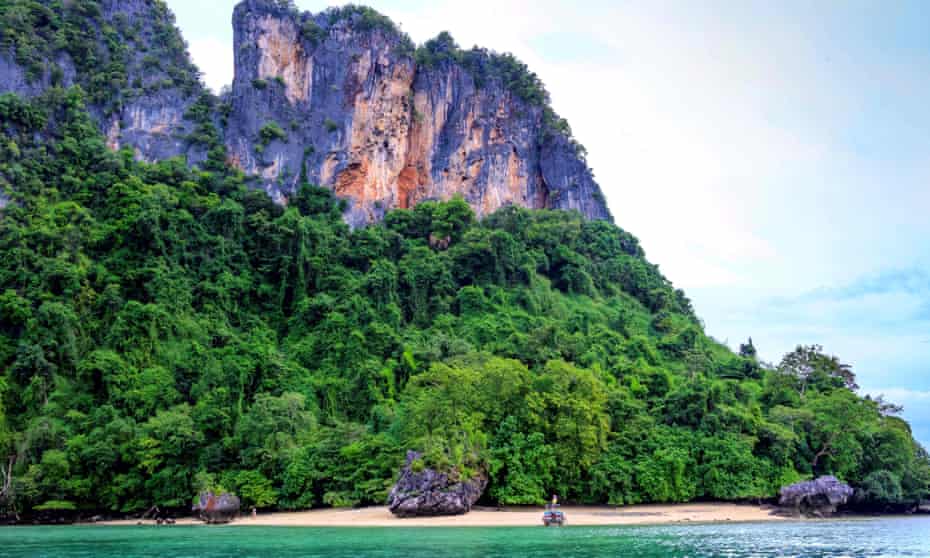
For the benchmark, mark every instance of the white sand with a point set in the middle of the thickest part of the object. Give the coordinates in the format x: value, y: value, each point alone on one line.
x: 489, y: 517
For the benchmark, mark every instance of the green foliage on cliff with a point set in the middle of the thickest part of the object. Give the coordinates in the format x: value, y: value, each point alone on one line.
x: 363, y: 18
x: 485, y: 66
x: 366, y: 20
x: 311, y: 32
x: 44, y: 37
x: 270, y: 132
x: 164, y: 329
x: 488, y: 67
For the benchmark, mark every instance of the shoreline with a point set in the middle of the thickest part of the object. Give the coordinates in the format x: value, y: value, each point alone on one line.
x: 379, y: 516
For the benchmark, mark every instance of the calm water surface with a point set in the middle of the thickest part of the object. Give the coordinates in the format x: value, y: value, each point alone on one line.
x: 883, y: 537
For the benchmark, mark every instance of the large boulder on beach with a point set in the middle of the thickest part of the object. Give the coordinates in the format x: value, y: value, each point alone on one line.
x: 426, y: 492
x: 816, y: 498
x: 217, y: 508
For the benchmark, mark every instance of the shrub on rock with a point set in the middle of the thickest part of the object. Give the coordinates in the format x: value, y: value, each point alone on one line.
x: 421, y: 491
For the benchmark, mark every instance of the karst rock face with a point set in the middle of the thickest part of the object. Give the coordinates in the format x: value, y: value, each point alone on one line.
x: 336, y: 99
x: 152, y: 83
x: 422, y: 492
x: 819, y: 497
x: 152, y: 114
x: 216, y: 508
x: 340, y: 94
x: 364, y: 119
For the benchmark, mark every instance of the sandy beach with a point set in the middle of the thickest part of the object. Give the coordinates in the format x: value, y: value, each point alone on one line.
x: 492, y: 517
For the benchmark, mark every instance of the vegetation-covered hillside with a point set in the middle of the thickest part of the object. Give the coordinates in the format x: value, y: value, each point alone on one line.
x: 165, y: 329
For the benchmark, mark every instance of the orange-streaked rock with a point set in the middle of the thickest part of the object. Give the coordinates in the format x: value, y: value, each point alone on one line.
x: 283, y: 56
x: 364, y: 120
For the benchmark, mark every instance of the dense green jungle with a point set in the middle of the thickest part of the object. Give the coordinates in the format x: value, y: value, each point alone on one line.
x: 167, y: 329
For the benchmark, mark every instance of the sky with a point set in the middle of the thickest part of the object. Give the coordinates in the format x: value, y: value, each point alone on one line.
x: 773, y: 158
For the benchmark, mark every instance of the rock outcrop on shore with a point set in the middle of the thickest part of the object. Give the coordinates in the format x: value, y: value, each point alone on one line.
x: 217, y: 508
x: 426, y: 492
x: 815, y: 498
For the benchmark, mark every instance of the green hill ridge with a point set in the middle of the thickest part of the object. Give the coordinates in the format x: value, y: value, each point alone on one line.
x: 167, y: 329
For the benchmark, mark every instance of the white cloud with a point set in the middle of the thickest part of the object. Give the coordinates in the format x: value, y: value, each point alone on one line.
x: 714, y: 132
x: 916, y: 405
x: 898, y: 395
x: 742, y: 144
x: 214, y: 57
x: 674, y: 117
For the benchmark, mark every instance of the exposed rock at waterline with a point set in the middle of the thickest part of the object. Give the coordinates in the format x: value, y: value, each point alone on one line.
x: 816, y: 498
x: 426, y: 492
x: 217, y: 508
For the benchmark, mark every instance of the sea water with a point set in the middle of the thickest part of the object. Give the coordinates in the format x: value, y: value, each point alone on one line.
x: 854, y: 538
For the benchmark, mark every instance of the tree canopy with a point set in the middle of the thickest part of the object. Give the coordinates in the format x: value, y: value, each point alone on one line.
x: 165, y: 330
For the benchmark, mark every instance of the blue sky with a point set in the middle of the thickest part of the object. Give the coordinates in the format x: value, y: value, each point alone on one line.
x: 773, y: 157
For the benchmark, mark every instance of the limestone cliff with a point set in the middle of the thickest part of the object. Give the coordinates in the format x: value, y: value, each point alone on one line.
x: 385, y: 126
x: 341, y: 98
x: 128, y: 57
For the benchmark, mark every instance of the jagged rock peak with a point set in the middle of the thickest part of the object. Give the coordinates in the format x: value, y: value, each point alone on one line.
x: 343, y: 99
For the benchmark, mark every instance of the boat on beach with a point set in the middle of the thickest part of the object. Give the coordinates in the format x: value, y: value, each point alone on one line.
x: 553, y: 516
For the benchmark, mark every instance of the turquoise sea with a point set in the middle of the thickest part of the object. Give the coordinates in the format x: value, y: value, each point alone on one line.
x: 879, y: 537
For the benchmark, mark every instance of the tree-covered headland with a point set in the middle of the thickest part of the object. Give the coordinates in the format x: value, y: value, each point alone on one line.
x: 164, y: 329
